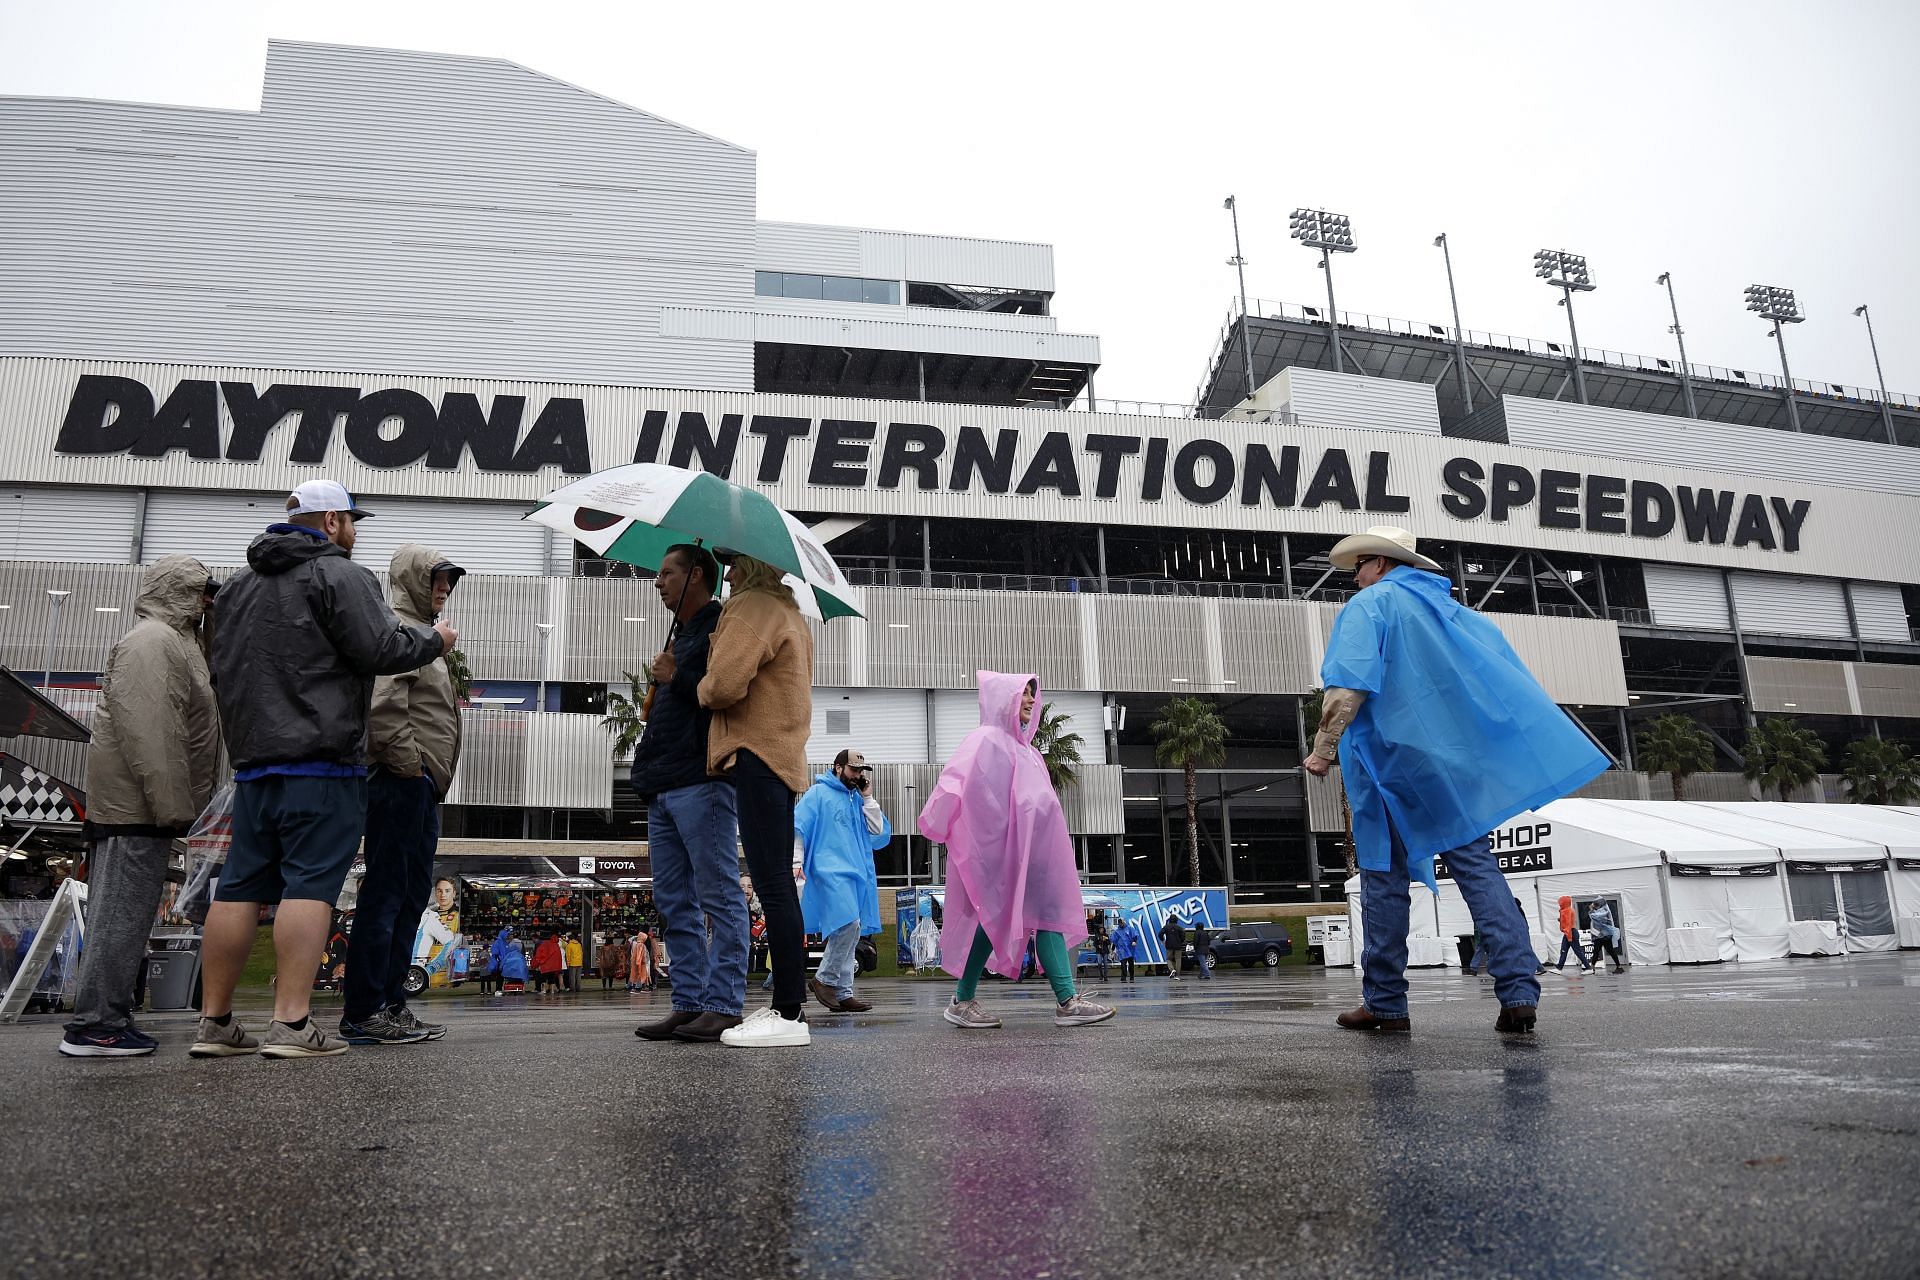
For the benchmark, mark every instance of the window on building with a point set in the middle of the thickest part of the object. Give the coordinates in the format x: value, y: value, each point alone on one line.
x: 788, y: 284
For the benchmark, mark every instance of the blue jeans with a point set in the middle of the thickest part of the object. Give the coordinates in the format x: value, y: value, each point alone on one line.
x: 837, y: 967
x: 693, y: 842
x: 1579, y: 952
x: 1386, y: 898
x: 403, y: 830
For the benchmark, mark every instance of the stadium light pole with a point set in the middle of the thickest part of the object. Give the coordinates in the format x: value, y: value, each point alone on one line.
x: 1330, y: 233
x: 1686, y: 377
x: 1459, y: 338
x: 1778, y: 305
x: 1567, y: 272
x: 1886, y: 409
x: 1239, y: 264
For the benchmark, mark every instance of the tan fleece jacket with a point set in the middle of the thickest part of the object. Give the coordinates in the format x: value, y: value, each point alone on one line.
x: 415, y: 720
x: 759, y: 686
x: 156, y: 732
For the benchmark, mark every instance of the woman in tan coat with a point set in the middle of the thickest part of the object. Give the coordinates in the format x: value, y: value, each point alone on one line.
x: 759, y: 687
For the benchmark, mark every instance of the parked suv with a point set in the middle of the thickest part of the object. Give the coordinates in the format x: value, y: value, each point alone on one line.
x: 1251, y: 944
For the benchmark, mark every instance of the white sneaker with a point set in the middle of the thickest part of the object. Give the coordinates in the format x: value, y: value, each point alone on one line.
x: 1080, y: 1012
x: 765, y: 1029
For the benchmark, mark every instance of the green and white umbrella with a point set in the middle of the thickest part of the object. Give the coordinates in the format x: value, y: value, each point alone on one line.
x: 635, y: 512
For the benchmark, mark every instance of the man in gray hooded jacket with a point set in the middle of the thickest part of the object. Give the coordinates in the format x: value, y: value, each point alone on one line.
x: 150, y: 771
x: 413, y: 743
x: 302, y: 633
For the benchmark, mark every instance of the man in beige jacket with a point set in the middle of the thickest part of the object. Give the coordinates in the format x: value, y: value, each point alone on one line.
x: 150, y: 771
x: 413, y: 745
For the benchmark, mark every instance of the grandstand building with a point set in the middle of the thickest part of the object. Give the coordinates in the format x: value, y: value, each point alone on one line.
x: 455, y: 284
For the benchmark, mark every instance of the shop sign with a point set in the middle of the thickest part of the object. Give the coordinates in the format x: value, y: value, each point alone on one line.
x: 1518, y: 850
x: 597, y: 866
x: 394, y: 427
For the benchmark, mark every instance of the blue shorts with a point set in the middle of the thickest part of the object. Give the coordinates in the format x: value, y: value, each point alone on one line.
x: 293, y: 838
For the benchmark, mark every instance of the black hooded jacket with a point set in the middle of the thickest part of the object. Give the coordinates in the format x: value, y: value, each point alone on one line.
x: 301, y: 634
x: 673, y: 751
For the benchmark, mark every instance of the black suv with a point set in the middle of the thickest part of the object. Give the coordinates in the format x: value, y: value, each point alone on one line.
x: 1251, y: 944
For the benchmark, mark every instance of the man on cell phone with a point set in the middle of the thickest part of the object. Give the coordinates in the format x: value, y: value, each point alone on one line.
x: 837, y: 827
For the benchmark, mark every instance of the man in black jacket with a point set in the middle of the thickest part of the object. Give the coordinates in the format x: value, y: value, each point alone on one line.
x: 692, y: 825
x: 301, y: 634
x: 1202, y: 943
x: 1173, y: 936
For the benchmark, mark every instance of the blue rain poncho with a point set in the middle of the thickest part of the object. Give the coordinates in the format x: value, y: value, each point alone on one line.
x: 841, y: 885
x: 1455, y: 736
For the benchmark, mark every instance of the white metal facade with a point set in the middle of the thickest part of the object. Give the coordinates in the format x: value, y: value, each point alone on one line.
x: 1328, y: 399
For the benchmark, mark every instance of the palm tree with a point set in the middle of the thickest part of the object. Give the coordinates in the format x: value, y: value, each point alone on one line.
x: 1060, y: 750
x: 1191, y: 735
x: 1677, y: 746
x: 1781, y: 755
x: 461, y: 674
x: 623, y: 717
x: 1880, y: 772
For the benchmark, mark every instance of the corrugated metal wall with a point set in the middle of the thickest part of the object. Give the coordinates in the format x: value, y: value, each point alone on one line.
x: 1683, y: 596
x: 68, y: 524
x: 956, y: 713
x: 1322, y: 398
x: 1881, y: 611
x: 888, y: 726
x: 1688, y: 442
x: 800, y: 247
x: 1774, y: 604
x: 1006, y: 264
x: 1807, y: 686
x: 878, y: 328
x: 383, y: 210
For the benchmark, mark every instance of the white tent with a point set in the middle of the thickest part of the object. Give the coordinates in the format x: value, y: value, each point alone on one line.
x: 1743, y: 873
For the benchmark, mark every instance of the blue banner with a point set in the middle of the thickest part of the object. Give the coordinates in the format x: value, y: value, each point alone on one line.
x: 1147, y: 909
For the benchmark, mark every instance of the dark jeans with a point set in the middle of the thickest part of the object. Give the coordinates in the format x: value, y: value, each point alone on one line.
x: 766, y: 837
x: 1200, y: 963
x: 1579, y: 952
x: 403, y: 830
x: 1126, y: 971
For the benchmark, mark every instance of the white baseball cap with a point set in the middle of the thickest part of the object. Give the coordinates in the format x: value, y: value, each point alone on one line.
x: 316, y: 496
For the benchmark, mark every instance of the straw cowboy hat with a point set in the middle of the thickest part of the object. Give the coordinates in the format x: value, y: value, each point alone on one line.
x: 1381, y: 540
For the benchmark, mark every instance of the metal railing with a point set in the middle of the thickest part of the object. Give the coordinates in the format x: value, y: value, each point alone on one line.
x: 1267, y: 309
x: 1115, y: 586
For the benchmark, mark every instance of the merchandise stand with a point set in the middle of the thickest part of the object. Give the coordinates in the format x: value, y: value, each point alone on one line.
x: 67, y: 908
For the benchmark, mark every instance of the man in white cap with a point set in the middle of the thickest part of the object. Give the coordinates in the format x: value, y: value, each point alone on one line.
x: 302, y: 632
x: 1441, y: 734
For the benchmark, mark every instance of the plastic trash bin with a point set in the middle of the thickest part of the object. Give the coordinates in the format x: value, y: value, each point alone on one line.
x: 173, y: 973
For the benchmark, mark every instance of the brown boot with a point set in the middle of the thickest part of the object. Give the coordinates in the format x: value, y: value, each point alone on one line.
x: 826, y: 995
x: 1362, y: 1019
x: 707, y: 1026
x: 1515, y: 1018
x: 664, y: 1029
x: 853, y: 1004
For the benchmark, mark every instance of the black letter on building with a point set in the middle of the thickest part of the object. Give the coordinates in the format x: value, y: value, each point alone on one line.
x: 559, y: 435
x: 1512, y: 487
x: 1278, y: 482
x: 716, y: 450
x: 780, y: 431
x: 1154, y: 477
x: 417, y: 425
x: 1465, y: 499
x: 463, y: 428
x: 1378, y: 498
x: 1791, y: 517
x: 653, y: 429
x: 1754, y: 526
x: 1652, y: 510
x: 840, y: 455
x: 1052, y: 467
x: 1559, y: 499
x: 190, y: 420
x: 1606, y: 504
x: 1110, y: 449
x: 1186, y: 480
x: 1333, y: 481
x: 87, y: 429
x: 915, y: 446
x: 1706, y: 513
x: 971, y: 457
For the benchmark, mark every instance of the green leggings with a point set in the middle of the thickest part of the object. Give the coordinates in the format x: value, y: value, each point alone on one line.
x: 1049, y: 947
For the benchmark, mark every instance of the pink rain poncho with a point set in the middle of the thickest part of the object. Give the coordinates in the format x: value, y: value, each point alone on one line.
x: 1009, y: 858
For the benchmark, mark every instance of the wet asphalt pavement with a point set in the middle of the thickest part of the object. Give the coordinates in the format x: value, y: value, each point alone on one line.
x: 1743, y: 1120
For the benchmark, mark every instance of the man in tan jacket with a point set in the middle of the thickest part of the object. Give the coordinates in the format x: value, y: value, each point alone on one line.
x: 413, y: 745
x: 150, y: 771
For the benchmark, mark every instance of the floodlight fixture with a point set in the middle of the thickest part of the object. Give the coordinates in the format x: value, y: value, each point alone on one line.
x: 1686, y: 375
x: 1330, y: 233
x: 1568, y: 273
x: 1239, y: 264
x: 1770, y: 302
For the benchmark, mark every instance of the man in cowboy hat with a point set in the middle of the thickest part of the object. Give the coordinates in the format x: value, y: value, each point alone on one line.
x: 1442, y: 734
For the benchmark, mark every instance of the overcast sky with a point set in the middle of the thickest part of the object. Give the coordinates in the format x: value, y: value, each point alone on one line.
x: 1731, y: 143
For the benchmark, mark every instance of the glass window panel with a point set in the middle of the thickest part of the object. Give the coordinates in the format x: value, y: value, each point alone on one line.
x: 767, y: 283
x: 885, y: 291
x: 839, y: 289
x: 794, y: 286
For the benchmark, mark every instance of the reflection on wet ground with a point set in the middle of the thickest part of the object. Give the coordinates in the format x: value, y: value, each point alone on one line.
x: 1753, y: 1120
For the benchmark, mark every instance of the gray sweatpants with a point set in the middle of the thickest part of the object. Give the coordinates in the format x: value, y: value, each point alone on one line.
x: 125, y: 876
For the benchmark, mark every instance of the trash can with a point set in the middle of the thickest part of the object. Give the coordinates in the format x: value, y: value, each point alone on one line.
x: 173, y: 972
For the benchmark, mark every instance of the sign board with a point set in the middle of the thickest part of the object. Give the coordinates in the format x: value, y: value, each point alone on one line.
x: 598, y: 866
x: 1145, y: 909
x: 1322, y: 929
x: 1521, y: 847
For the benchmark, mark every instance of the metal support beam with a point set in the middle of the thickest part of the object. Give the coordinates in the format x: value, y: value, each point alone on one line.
x: 1100, y: 546
x: 1561, y: 578
x: 1591, y: 738
x: 1739, y: 647
x: 1497, y: 581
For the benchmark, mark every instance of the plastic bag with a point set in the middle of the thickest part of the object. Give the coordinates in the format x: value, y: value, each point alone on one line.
x: 207, y: 844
